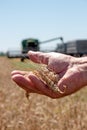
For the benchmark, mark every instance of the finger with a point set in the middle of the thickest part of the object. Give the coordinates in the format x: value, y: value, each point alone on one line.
x: 70, y: 80
x: 43, y: 88
x: 18, y: 72
x: 39, y: 57
x: 22, y: 81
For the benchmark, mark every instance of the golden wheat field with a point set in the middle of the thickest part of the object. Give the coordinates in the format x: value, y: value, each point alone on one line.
x: 40, y: 112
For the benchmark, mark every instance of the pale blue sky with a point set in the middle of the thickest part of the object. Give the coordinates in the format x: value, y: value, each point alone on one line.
x: 42, y: 19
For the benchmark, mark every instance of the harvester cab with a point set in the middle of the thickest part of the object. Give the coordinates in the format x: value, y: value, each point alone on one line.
x: 29, y: 44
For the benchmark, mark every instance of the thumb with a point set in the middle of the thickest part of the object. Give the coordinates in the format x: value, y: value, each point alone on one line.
x: 63, y: 85
x: 39, y: 57
x: 68, y: 84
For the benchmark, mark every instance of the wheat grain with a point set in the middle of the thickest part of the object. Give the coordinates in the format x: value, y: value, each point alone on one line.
x: 49, y: 77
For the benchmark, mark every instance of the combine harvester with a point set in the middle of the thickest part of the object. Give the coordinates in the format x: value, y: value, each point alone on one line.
x: 36, y: 45
x: 74, y: 48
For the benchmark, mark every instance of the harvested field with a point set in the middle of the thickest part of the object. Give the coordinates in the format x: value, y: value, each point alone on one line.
x: 40, y: 112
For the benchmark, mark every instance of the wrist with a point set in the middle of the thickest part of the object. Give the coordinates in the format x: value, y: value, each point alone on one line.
x: 82, y: 65
x: 82, y: 60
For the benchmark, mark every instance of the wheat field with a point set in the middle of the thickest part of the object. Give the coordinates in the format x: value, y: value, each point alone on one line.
x: 40, y: 112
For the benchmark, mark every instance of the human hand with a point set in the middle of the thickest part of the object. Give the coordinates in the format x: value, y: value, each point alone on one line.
x: 70, y: 70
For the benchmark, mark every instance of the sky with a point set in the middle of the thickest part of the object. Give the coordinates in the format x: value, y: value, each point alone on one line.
x: 41, y: 19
